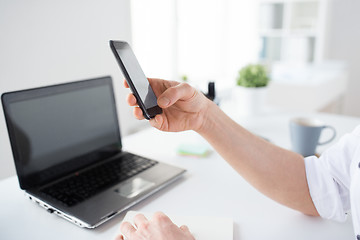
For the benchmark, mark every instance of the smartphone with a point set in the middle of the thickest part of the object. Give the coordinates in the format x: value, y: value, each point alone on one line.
x: 136, y: 78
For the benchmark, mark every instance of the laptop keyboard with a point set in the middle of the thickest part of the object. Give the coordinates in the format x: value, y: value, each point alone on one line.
x: 84, y: 185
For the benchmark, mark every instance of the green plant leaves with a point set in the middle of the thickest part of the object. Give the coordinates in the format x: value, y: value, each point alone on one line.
x: 253, y: 75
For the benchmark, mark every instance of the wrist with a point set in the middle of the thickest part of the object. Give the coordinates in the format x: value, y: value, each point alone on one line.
x: 207, y: 115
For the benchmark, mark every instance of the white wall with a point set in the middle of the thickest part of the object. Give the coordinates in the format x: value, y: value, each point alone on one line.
x: 154, y: 36
x: 47, y: 42
x: 203, y: 39
x: 344, y: 43
x: 216, y: 38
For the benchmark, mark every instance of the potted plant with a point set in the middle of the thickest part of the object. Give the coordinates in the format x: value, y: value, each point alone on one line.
x: 251, y: 89
x: 184, y: 78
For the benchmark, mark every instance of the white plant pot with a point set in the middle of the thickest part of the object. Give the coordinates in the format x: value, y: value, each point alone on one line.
x: 250, y: 101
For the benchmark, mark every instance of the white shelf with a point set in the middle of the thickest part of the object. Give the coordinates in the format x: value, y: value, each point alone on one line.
x: 271, y: 15
x: 304, y: 15
x: 271, y: 33
x: 291, y: 30
x: 289, y: 1
x: 287, y: 33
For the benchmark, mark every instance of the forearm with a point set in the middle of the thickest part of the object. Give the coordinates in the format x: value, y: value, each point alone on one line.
x: 276, y: 172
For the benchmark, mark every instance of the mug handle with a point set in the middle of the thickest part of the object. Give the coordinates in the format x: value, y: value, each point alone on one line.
x: 332, y: 137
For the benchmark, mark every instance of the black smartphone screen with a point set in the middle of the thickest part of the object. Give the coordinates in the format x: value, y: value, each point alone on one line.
x: 136, y: 77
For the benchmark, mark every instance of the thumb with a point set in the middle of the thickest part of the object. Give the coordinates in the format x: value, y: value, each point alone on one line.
x: 183, y: 91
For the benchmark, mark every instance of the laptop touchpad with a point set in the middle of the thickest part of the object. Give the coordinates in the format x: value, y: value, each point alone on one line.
x: 134, y: 187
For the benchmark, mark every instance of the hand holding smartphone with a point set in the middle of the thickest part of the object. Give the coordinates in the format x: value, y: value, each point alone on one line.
x: 136, y: 78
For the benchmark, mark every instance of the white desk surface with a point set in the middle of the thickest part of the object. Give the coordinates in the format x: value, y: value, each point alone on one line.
x: 210, y: 188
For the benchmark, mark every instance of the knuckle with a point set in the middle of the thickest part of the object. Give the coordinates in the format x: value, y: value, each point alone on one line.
x: 144, y: 226
x: 189, y: 91
x: 161, y: 217
x: 186, y: 86
x: 138, y: 216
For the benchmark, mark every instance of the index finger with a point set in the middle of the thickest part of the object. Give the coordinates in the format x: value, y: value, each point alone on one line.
x: 126, y: 84
x: 127, y: 229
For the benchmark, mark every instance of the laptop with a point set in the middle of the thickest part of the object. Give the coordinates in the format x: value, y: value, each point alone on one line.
x: 68, y: 154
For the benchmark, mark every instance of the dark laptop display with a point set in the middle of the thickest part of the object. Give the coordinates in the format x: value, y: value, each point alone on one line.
x: 62, y: 131
x: 68, y: 155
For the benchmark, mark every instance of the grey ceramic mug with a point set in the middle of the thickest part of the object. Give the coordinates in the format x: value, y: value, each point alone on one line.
x: 305, y: 134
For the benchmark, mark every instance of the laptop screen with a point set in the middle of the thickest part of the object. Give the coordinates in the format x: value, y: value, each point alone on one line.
x: 58, y: 129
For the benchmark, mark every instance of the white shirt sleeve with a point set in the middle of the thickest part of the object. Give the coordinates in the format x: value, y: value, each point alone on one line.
x: 329, y: 177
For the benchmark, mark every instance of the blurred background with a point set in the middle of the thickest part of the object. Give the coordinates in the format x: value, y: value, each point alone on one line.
x: 309, y: 48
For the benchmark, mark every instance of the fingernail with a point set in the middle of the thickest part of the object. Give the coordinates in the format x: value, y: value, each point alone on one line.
x: 164, y: 101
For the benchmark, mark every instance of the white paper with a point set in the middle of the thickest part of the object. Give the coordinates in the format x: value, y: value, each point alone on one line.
x: 203, y: 228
